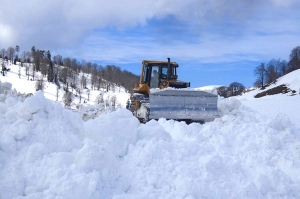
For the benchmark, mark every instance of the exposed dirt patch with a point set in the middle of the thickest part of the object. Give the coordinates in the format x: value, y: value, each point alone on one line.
x: 273, y: 91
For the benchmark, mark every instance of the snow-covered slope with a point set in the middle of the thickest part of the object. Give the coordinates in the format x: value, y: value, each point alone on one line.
x: 273, y: 105
x: 291, y: 80
x: 47, y: 151
x: 23, y: 85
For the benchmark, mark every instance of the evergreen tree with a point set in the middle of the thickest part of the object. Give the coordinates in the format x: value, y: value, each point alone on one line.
x: 16, y: 59
x: 50, y: 72
x: 17, y: 48
x: 50, y: 68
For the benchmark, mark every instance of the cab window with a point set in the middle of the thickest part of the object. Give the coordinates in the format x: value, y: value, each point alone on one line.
x: 164, y: 71
x: 146, y: 72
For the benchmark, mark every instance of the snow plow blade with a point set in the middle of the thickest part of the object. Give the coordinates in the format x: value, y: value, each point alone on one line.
x: 188, y: 105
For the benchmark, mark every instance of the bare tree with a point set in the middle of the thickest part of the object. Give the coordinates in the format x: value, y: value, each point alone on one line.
x: 11, y: 53
x: 113, y: 100
x: 67, y: 62
x: 25, y: 56
x: 3, y: 68
x: 37, y: 59
x: 74, y: 65
x: 3, y: 53
x: 79, y: 92
x: 236, y: 88
x: 88, y: 92
x: 272, y: 71
x: 43, y: 66
x: 33, y: 70
x: 57, y: 59
x: 19, y: 71
x: 83, y: 81
x: 89, y: 66
x: 260, y: 73
x: 26, y: 68
x: 57, y: 92
x: 63, y: 75
x: 67, y: 98
x: 99, y: 98
x: 294, y: 62
x: 39, y: 84
x: 106, y: 102
x: 224, y: 91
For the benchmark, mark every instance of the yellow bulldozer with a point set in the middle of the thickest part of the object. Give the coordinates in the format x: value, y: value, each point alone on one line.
x: 160, y: 94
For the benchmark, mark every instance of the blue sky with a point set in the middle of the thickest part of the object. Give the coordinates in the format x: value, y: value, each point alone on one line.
x: 214, y: 42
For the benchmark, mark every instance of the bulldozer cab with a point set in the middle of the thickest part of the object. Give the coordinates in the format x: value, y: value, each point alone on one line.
x: 157, y: 74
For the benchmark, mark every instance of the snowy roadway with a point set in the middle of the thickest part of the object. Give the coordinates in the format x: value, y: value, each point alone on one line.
x: 47, y: 151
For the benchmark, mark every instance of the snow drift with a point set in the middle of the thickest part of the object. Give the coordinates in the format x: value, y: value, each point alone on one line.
x: 47, y: 151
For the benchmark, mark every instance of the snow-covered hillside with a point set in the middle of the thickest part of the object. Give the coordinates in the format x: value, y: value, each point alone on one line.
x: 252, y: 151
x: 23, y: 85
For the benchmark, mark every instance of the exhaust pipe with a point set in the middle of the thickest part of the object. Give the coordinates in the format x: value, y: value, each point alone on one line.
x: 169, y: 68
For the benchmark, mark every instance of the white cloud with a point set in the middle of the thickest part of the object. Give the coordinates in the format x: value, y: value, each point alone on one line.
x: 109, y: 49
x: 225, y: 28
x: 6, y: 34
x: 286, y: 3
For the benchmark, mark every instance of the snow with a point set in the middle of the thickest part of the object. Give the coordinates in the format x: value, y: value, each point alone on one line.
x: 210, y: 88
x: 23, y: 85
x: 48, y: 151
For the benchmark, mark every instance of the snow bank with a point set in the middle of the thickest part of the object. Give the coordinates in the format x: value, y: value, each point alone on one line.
x: 241, y: 155
x: 115, y: 131
x: 47, y: 151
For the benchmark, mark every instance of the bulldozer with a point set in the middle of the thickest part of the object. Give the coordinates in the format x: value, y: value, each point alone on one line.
x: 159, y: 94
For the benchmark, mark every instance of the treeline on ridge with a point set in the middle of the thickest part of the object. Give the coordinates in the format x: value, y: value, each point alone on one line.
x: 267, y: 73
x: 66, y: 70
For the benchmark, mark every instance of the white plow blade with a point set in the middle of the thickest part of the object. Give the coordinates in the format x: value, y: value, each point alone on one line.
x: 184, y: 105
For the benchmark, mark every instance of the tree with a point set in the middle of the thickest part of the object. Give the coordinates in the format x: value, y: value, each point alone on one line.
x: 272, y: 71
x: 67, y: 98
x: 67, y: 62
x: 50, y: 72
x: 83, y: 81
x: 19, y: 71
x: 57, y: 92
x: 113, y: 100
x: 10, y: 53
x: 294, y: 62
x: 33, y: 51
x: 39, y: 84
x: 38, y: 56
x: 17, y: 49
x: 57, y: 59
x: 74, y: 65
x: 3, y: 53
x: 3, y: 68
x: 50, y: 69
x: 283, y: 67
x: 99, y: 98
x: 63, y: 75
x: 16, y: 59
x: 236, y: 88
x: 33, y: 71
x: 27, y: 70
x: 25, y: 56
x: 223, y: 91
x: 89, y: 66
x: 44, y: 67
x: 260, y: 73
x: 88, y: 92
